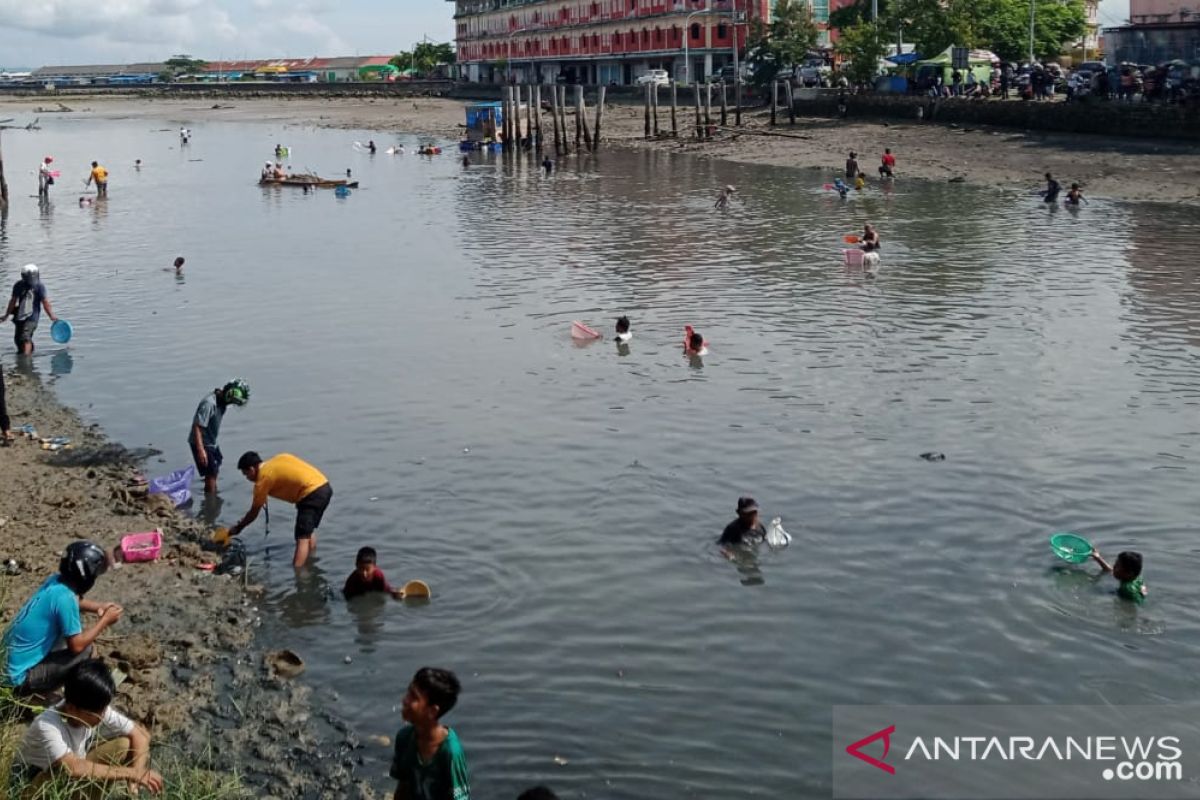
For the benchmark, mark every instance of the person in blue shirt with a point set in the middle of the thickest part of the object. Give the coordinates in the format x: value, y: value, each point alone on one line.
x: 206, y: 426
x: 28, y: 299
x: 47, y: 638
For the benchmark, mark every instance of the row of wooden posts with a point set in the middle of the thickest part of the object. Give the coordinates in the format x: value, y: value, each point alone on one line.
x: 527, y: 100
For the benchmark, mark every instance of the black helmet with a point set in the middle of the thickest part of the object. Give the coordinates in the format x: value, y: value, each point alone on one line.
x: 81, y: 565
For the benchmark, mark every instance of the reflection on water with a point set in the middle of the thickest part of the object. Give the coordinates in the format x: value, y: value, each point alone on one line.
x: 413, y: 342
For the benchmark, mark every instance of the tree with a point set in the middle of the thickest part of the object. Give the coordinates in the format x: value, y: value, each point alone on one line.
x: 857, y: 12
x: 782, y: 44
x: 862, y: 45
x: 1001, y: 26
x: 424, y: 58
x: 183, y: 64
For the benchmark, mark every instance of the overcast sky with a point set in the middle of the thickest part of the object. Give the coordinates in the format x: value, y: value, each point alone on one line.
x: 35, y: 33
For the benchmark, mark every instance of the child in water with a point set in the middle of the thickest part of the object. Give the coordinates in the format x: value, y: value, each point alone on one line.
x: 746, y: 528
x: 623, y: 335
x: 693, y: 342
x: 179, y: 265
x: 842, y: 188
x: 367, y: 577
x: 1128, y: 571
x: 860, y: 181
x: 723, y: 198
x: 428, y: 761
x: 1075, y: 196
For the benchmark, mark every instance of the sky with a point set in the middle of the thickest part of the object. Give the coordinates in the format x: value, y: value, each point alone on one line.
x: 36, y: 33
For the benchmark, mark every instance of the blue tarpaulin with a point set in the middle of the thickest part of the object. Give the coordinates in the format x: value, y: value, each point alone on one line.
x: 904, y: 58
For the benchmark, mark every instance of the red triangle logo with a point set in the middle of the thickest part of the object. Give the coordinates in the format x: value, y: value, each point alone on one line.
x: 885, y: 734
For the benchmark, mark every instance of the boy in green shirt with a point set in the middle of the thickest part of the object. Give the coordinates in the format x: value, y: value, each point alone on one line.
x: 1128, y: 570
x: 429, y: 763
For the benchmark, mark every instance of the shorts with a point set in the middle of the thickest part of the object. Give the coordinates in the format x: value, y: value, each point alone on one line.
x: 310, y: 509
x: 214, y: 460
x: 24, y: 332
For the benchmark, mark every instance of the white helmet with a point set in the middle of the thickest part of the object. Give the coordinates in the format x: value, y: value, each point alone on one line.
x: 29, y: 270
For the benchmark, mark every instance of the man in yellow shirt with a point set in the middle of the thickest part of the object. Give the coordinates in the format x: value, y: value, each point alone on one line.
x: 100, y: 176
x: 287, y: 478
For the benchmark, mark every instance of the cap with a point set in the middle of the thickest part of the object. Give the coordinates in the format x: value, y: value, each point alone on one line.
x: 746, y: 505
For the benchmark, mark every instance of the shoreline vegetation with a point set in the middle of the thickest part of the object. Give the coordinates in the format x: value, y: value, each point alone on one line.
x: 1006, y: 160
x: 223, y: 722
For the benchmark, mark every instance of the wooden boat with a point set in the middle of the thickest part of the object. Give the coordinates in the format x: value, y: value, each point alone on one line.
x: 311, y: 181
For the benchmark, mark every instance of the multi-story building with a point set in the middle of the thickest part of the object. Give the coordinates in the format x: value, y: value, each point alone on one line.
x: 600, y: 41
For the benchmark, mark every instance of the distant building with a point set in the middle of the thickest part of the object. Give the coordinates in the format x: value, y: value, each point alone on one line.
x: 1159, y: 30
x: 1152, y: 43
x: 600, y: 41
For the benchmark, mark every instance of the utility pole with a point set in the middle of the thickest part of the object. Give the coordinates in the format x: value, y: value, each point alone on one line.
x: 1031, y: 18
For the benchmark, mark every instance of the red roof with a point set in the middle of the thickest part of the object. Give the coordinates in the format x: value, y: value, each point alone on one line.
x: 375, y: 61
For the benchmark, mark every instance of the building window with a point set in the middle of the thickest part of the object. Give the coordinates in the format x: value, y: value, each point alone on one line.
x: 722, y: 31
x: 695, y: 30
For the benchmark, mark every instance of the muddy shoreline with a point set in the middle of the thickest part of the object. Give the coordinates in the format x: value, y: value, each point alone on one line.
x: 1004, y: 159
x: 198, y: 676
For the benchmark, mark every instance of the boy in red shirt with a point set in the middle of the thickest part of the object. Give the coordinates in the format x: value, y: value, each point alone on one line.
x: 367, y: 577
x: 887, y: 168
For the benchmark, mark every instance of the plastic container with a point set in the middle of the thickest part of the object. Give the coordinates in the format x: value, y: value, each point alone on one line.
x: 1071, y: 547
x: 854, y: 258
x: 136, y: 547
x: 61, y: 331
x: 581, y: 331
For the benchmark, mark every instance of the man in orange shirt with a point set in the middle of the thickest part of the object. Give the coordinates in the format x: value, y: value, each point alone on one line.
x: 287, y: 478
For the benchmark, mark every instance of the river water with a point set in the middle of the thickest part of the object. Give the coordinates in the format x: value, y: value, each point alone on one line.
x: 412, y: 341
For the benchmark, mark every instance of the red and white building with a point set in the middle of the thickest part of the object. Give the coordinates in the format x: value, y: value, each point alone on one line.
x: 600, y: 41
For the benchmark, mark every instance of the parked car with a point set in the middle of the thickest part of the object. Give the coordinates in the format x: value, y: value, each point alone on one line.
x: 657, y: 77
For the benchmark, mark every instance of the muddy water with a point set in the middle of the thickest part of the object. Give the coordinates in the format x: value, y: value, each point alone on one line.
x: 412, y: 341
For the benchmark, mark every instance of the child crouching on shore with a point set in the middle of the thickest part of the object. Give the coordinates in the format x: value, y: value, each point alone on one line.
x: 429, y: 763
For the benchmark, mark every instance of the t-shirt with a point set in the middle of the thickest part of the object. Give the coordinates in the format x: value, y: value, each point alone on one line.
x: 851, y: 167
x: 51, y: 736
x: 286, y: 478
x: 1131, y: 590
x: 99, y: 174
x: 889, y: 159
x: 29, y: 300
x: 1052, y: 190
x: 738, y: 531
x: 208, y: 416
x: 443, y: 777
x: 355, y: 585
x: 50, y: 616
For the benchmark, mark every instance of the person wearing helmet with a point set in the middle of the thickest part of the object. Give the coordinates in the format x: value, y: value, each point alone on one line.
x: 25, y: 307
x: 50, y: 616
x: 292, y: 480
x: 206, y: 426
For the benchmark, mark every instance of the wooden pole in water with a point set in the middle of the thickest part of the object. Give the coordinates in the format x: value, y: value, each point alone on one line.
x: 774, y: 101
x: 696, y: 97
x: 578, y: 118
x: 587, y: 134
x: 508, y: 117
x: 562, y: 117
x: 674, y: 104
x: 737, y: 100
x: 529, y: 118
x: 599, y: 119
x: 554, y: 117
x: 646, y: 115
x: 707, y: 109
x: 724, y: 106
x: 791, y: 101
x: 657, y: 129
x: 537, y: 115
x: 517, y: 132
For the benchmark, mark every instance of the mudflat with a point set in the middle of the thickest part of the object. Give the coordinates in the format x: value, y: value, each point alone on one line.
x: 1121, y: 168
